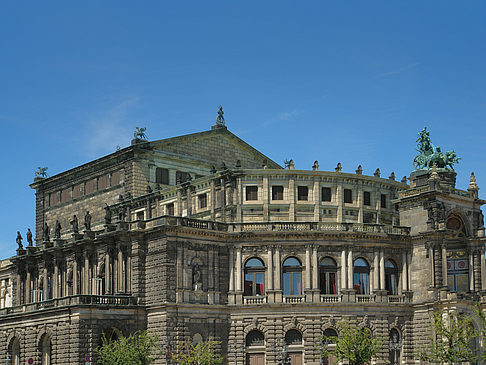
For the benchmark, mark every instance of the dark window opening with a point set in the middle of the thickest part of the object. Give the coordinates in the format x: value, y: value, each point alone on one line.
x: 254, y: 277
x: 383, y: 200
x: 182, y: 176
x: 328, y: 274
x: 366, y: 198
x: 277, y: 192
x: 326, y: 194
x: 302, y: 193
x: 255, y: 338
x: 348, y: 196
x: 252, y: 193
x: 203, y: 200
x: 170, y: 209
x: 162, y: 176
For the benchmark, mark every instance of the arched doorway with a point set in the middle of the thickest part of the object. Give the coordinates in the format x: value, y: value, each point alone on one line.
x: 14, y: 351
x: 394, y: 347
x: 45, y: 348
x: 255, y: 348
x: 293, y: 340
x: 330, y: 336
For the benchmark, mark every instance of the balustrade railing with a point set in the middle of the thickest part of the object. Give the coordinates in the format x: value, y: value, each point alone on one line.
x: 103, y: 300
x: 364, y: 298
x: 330, y: 298
x: 261, y: 299
x: 294, y: 298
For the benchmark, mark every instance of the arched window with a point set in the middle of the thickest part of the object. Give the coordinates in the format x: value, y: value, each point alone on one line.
x: 14, y: 351
x: 255, y: 338
x: 361, y: 271
x: 45, y: 350
x: 394, y: 347
x: 329, y: 343
x: 391, y: 277
x: 293, y: 337
x: 458, y: 271
x: 254, y: 277
x: 328, y: 273
x: 456, y: 226
x: 292, y: 277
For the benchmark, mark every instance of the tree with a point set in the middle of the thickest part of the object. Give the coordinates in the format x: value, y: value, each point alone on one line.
x: 354, y: 344
x: 451, y: 339
x: 136, y: 349
x: 202, y: 353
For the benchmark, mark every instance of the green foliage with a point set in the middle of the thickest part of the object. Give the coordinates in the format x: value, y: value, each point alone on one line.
x: 451, y: 339
x: 136, y: 349
x: 354, y: 344
x: 203, y: 353
x: 482, y: 318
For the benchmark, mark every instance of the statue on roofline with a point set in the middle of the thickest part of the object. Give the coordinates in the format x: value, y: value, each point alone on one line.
x: 220, y: 119
x: 19, y: 240
x: 429, y: 154
x: 140, y: 133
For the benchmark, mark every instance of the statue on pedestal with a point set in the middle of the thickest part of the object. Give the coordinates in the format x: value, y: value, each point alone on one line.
x: 74, y: 224
x: 29, y: 237
x: 19, y: 240
x: 87, y: 221
x: 45, y: 233
x: 57, y: 230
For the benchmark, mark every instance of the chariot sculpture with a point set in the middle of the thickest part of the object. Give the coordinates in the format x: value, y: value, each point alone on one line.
x: 431, y: 155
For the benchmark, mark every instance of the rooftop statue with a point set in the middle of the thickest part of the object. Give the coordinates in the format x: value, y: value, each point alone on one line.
x: 430, y: 154
x: 140, y: 133
x: 41, y: 172
x: 220, y: 119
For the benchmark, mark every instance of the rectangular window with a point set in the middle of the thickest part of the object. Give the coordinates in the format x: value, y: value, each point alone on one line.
x: 170, y: 209
x: 277, y: 192
x: 162, y: 176
x: 182, y: 176
x: 252, y: 193
x: 366, y: 198
x: 383, y: 200
x: 302, y: 193
x: 203, y: 200
x: 348, y: 196
x: 326, y: 194
x: 140, y: 215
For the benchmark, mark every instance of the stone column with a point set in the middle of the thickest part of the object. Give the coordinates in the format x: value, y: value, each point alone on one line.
x: 239, y: 191
x: 189, y: 201
x: 86, y: 289
x: 444, y: 265
x: 307, y: 268
x: 55, y: 281
x: 340, y: 202
x: 350, y: 269
x: 178, y: 205
x: 129, y: 272
x: 107, y: 272
x: 278, y: 275
x: 75, y: 276
x: 45, y: 294
x: 27, y: 285
x: 343, y: 270
x: 238, y: 269
x: 483, y: 270
x: 404, y: 272
x: 378, y: 206
x: 120, y: 270
x: 317, y: 201
x: 291, y: 198
x: 212, y: 201
x: 382, y: 270
x: 231, y: 270
x: 270, y: 268
x: 471, y: 270
x: 266, y: 198
x: 359, y: 200
x: 376, y: 271
x: 315, y: 266
x: 223, y: 200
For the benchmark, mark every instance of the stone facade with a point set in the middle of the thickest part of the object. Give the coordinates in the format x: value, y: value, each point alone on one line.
x: 202, y: 236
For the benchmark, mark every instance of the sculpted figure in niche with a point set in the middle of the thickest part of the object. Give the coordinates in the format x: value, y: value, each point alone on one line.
x: 29, y: 237
x: 74, y: 224
x: 19, y: 240
x: 45, y: 233
x: 57, y: 230
x: 196, y: 277
x: 107, y: 214
x: 87, y: 221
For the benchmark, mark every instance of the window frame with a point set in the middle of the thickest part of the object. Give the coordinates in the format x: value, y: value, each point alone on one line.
x: 251, y: 193
x: 326, y: 271
x: 302, y: 193
x: 253, y: 272
x: 348, y: 193
x: 325, y: 195
x: 292, y: 273
x: 362, y: 273
x: 276, y: 194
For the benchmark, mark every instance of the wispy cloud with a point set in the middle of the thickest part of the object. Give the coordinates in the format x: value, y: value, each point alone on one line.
x: 109, y: 128
x: 399, y: 70
x: 281, y: 117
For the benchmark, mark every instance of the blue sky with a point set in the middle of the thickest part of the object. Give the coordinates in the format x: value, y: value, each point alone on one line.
x: 350, y: 82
